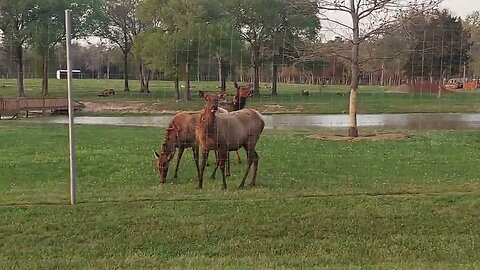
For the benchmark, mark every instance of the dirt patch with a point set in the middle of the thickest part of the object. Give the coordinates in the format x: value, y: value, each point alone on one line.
x: 366, y: 137
x: 123, y: 107
x: 276, y: 108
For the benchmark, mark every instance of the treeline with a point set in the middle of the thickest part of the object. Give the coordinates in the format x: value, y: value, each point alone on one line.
x: 245, y: 40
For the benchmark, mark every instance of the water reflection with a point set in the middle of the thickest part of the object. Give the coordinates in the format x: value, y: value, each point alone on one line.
x: 300, y: 121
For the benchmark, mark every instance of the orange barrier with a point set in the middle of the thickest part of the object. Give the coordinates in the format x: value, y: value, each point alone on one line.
x: 470, y: 85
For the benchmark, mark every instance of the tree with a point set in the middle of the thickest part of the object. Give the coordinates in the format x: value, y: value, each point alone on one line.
x: 369, y: 18
x: 185, y: 30
x: 122, y: 28
x: 17, y: 18
x: 472, y: 25
x: 440, y: 46
x: 262, y: 21
x: 49, y: 29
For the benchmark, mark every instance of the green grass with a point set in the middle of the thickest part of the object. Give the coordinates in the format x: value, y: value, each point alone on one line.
x: 327, y: 99
x: 410, y: 204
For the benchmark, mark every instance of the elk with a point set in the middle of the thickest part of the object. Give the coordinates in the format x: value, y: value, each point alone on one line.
x: 228, y: 132
x: 180, y: 134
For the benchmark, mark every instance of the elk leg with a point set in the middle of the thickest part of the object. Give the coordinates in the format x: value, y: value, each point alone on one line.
x: 228, y: 163
x: 208, y: 164
x: 222, y: 156
x: 249, y: 164
x: 202, y: 168
x: 195, y: 158
x: 239, y: 161
x: 212, y: 177
x: 253, y: 182
x: 180, y: 153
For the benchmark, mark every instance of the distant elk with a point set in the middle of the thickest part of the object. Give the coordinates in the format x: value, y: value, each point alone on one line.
x: 107, y: 93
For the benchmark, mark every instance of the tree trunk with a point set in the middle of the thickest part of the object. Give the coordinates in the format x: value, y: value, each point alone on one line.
x: 274, y: 78
x: 352, y: 110
x: 221, y: 74
x: 20, y: 71
x: 177, y: 86
x: 144, y: 80
x: 45, y: 75
x: 187, y: 95
x: 125, y: 71
x: 108, y: 68
x: 256, y: 69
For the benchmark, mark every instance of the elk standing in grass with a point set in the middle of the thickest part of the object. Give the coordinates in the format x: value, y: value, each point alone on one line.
x: 228, y: 132
x: 180, y: 134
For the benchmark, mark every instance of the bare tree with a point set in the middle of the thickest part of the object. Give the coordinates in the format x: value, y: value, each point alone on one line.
x: 368, y: 19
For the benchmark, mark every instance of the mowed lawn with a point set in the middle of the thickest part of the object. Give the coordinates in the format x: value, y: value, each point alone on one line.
x: 322, y: 99
x: 372, y: 205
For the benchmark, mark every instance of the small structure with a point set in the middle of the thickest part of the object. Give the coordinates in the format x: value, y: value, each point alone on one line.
x: 62, y: 74
x: 14, y: 106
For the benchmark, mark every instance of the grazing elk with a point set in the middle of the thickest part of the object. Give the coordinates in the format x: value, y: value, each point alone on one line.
x: 107, y: 93
x: 228, y: 132
x: 180, y: 134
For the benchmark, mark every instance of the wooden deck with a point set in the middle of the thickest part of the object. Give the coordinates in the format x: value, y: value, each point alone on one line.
x: 13, y: 107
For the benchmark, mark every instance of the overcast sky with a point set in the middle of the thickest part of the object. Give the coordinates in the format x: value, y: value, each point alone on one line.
x: 462, y: 7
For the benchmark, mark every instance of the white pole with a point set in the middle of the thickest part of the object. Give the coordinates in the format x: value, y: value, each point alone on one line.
x: 73, y: 173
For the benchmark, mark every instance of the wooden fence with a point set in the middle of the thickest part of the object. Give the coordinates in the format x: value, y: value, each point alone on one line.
x: 14, y: 106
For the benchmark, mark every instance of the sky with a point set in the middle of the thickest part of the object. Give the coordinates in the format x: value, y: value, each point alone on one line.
x: 462, y: 7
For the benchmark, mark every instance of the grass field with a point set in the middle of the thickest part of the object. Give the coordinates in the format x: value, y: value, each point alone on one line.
x: 327, y: 99
x: 411, y: 204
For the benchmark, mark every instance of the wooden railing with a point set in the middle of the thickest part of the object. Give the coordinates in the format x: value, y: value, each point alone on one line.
x: 13, y: 106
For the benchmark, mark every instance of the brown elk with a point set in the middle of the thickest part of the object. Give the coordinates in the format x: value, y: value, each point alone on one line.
x: 239, y: 101
x: 107, y: 93
x: 180, y: 134
x: 228, y: 132
x: 240, y: 98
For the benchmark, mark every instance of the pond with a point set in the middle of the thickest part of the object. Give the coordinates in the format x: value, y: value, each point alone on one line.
x: 450, y: 121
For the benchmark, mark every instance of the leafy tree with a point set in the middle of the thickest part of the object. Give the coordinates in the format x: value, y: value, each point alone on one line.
x: 185, y: 30
x: 17, y: 17
x: 263, y: 21
x: 49, y: 28
x: 472, y: 25
x: 440, y: 46
x: 122, y: 28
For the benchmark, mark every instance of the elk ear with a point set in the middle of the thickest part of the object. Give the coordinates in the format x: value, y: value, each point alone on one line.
x: 235, y: 84
x: 222, y: 95
x: 156, y: 154
x: 201, y: 94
